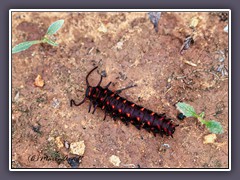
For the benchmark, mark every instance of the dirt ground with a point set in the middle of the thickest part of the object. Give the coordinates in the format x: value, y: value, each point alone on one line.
x: 127, y: 48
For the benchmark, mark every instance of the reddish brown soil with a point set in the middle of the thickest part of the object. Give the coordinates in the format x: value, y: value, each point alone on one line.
x: 130, y: 52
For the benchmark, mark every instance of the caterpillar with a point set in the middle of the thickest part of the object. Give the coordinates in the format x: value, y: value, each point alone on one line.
x: 128, y: 112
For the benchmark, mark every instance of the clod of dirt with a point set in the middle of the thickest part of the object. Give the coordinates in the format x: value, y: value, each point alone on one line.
x: 223, y: 16
x: 58, y: 142
x: 77, y: 148
x: 36, y: 128
x: 74, y: 162
x: 209, y: 139
x: 39, y: 82
x: 115, y: 160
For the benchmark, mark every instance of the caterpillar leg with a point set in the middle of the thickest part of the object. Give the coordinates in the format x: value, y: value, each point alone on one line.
x: 100, y: 81
x: 108, y: 85
x: 95, y: 107
x: 89, y: 108
x: 72, y: 102
x: 105, y: 115
x: 128, y: 87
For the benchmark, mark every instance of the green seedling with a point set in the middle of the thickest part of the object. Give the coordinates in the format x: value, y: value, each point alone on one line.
x: 53, y: 28
x: 188, y: 111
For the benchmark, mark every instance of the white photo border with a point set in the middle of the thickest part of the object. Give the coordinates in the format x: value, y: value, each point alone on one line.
x: 116, y: 169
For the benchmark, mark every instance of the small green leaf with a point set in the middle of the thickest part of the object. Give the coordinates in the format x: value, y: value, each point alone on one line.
x: 186, y: 109
x: 23, y: 46
x: 214, y: 127
x: 54, y: 27
x: 202, y: 114
x: 49, y: 41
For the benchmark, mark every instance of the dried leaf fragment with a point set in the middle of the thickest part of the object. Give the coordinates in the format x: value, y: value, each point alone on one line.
x: 186, y: 44
x: 154, y: 18
x: 39, y: 82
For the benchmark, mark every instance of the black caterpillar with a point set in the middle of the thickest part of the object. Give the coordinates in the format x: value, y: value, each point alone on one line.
x: 127, y: 111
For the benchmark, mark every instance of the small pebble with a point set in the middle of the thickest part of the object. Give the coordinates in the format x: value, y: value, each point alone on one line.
x: 74, y: 162
x: 58, y: 142
x: 77, y: 148
x: 36, y: 128
x: 102, y: 28
x: 103, y: 73
x: 16, y: 97
x: 209, y: 139
x: 194, y: 22
x: 115, y: 160
x: 66, y: 144
x: 166, y: 145
x: 39, y: 82
x: 55, y: 103
x: 226, y: 29
x: 181, y: 116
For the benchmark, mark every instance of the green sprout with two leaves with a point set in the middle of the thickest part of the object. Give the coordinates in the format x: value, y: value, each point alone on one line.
x: 188, y: 111
x: 53, y: 28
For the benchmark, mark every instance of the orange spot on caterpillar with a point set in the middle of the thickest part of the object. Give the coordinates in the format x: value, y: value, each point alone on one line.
x: 119, y: 110
x: 142, y: 109
x: 118, y: 98
x: 107, y: 102
x: 149, y: 123
x: 112, y: 95
x: 138, y: 118
x: 124, y: 101
x: 90, y: 90
x: 113, y: 106
x: 133, y: 105
x: 105, y: 92
x: 103, y: 107
x: 152, y: 113
x: 128, y: 114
